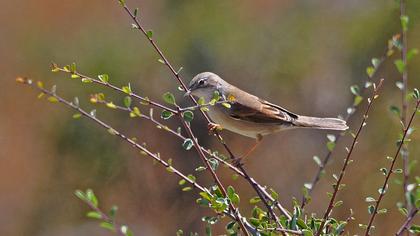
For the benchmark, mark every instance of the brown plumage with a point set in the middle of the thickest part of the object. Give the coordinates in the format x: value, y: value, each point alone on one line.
x: 250, y: 115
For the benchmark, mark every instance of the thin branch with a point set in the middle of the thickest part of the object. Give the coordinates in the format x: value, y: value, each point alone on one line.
x: 177, y: 76
x: 349, y: 152
x: 351, y: 111
x: 391, y: 169
x: 407, y: 222
x: 404, y: 105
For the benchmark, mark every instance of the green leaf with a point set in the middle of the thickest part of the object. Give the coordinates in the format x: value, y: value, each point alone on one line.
x: 127, y: 101
x: 394, y: 109
x: 355, y: 90
x: 121, y: 2
x: 52, y: 99
x: 416, y: 93
x: 254, y: 200
x: 74, y: 76
x: 104, y: 78
x: 330, y: 146
x: 127, y: 89
x: 214, y: 164
x: 357, y: 100
x: 370, y: 70
x: 80, y: 194
x: 94, y: 215
x: 201, y: 101
x: 400, y: 65
x: 113, y: 211
x: 186, y: 189
x: 382, y: 211
x: 136, y: 11
x: 169, y: 98
x: 200, y: 168
x: 376, y: 62
x: 187, y: 144
x: 371, y: 209
x: 111, y: 105
x: 166, y: 114
x: 107, y: 225
x: 135, y: 112
x: 414, y: 229
x: 227, y: 105
x: 149, y: 34
x: 188, y: 116
x: 404, y: 22
x: 77, y: 116
x: 90, y: 196
x: 161, y: 61
x: 411, y: 53
x: 182, y: 182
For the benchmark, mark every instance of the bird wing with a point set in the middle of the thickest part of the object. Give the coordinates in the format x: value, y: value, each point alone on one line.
x: 253, y: 109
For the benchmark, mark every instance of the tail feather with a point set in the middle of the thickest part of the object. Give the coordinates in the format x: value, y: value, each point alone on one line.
x: 321, y: 123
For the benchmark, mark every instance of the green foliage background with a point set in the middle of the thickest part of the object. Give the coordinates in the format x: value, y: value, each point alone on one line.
x: 302, y: 55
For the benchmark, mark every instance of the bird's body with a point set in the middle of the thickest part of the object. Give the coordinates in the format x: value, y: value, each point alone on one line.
x: 249, y: 115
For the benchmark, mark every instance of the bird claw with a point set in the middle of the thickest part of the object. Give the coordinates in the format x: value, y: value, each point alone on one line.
x: 237, y: 162
x: 212, y: 127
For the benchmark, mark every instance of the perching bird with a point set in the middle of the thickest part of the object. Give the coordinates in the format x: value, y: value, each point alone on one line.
x: 250, y: 115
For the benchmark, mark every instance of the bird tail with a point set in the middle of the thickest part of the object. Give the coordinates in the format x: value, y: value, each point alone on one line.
x: 321, y: 123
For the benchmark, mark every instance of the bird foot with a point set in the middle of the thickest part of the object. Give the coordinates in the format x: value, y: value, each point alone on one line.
x: 237, y: 162
x: 212, y: 127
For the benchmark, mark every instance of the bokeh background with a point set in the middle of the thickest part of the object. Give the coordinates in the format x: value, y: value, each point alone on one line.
x: 302, y: 54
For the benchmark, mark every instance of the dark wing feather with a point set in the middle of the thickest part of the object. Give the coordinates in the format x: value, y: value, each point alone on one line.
x: 251, y: 108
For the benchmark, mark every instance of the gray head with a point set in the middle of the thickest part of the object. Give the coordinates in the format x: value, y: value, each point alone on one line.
x: 204, y: 85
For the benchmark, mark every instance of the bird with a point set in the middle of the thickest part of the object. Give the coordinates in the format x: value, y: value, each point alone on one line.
x: 249, y: 115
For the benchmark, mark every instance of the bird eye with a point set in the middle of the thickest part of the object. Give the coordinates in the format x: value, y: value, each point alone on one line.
x: 201, y: 82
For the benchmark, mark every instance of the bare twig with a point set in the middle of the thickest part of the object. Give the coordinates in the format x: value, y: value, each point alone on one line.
x: 391, y: 169
x: 404, y: 105
x: 407, y: 222
x: 349, y: 152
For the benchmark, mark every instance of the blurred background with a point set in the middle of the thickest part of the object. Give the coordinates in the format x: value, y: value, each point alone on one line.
x: 303, y: 55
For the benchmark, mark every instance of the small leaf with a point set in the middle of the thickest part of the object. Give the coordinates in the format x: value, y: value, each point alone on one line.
x: 166, y: 114
x: 111, y: 105
x: 394, y: 109
x: 186, y: 189
x: 107, y: 225
x: 104, y: 78
x: 188, y: 116
x: 376, y: 62
x: 331, y: 137
x: 330, y: 146
x: 127, y: 89
x: 382, y: 211
x: 411, y: 53
x: 404, y: 22
x: 370, y: 199
x: 317, y: 160
x: 169, y: 98
x: 400, y: 65
x: 94, y: 215
x: 182, y: 182
x: 149, y: 34
x: 416, y: 93
x: 52, y: 99
x: 371, y: 209
x: 370, y: 71
x: 227, y: 105
x: 355, y: 90
x: 187, y: 144
x: 91, y: 197
x: 135, y: 112
x: 127, y: 101
x: 136, y: 11
x: 254, y: 200
x: 161, y: 61
x: 357, y: 100
x: 77, y: 116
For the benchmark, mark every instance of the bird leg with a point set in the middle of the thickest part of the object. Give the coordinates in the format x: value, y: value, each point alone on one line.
x: 237, y: 161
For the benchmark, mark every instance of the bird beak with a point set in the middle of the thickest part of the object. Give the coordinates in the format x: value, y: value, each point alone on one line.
x: 188, y: 93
